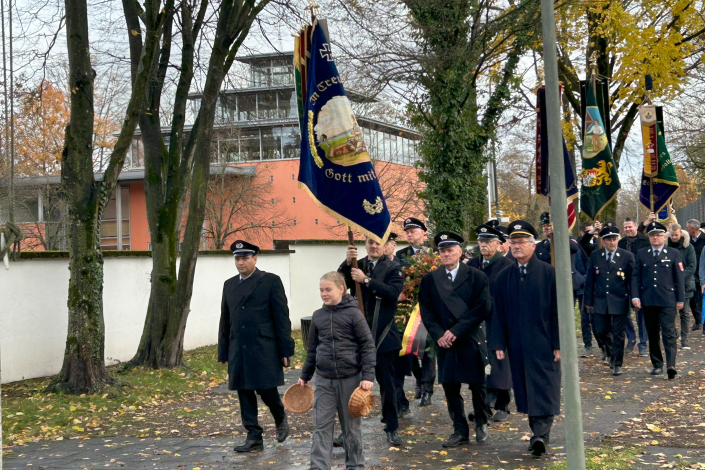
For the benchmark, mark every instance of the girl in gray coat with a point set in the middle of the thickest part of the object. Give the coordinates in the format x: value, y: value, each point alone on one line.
x: 342, y: 353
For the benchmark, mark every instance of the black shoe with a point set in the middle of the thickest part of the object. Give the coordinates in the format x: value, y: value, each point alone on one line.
x: 672, y: 372
x: 471, y: 417
x: 338, y: 441
x: 455, y: 440
x: 604, y: 355
x: 643, y: 353
x: 283, y: 430
x: 393, y: 438
x: 685, y: 347
x: 418, y: 391
x: 696, y: 327
x: 538, y: 448
x: 500, y: 416
x: 403, y: 412
x: 249, y: 446
x: 617, y: 371
x: 425, y: 399
x: 656, y: 371
x: 630, y: 347
x: 482, y: 433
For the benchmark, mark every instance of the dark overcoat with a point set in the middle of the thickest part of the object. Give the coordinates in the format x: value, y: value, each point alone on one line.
x: 386, y: 283
x: 608, y: 287
x: 639, y: 242
x: 578, y: 261
x: 255, y: 331
x: 525, y: 323
x: 461, y: 307
x: 658, y: 281
x: 500, y: 377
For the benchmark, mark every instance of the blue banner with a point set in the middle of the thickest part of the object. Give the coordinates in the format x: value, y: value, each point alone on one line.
x: 336, y: 169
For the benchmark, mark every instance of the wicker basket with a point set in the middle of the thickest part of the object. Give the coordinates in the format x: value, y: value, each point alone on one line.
x: 361, y: 402
x: 298, y: 399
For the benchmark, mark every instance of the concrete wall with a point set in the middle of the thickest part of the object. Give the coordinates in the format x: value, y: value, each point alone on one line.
x: 34, y: 316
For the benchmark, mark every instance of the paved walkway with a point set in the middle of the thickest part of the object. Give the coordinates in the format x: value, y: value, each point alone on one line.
x: 607, y: 403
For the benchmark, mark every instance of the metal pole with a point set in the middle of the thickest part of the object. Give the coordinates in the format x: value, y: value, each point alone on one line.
x: 559, y: 208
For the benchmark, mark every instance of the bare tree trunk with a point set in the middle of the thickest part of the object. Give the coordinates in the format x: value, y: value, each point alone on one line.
x: 83, y: 369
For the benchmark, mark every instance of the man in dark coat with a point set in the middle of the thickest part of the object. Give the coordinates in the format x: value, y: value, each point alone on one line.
x: 607, y: 294
x: 424, y: 370
x: 499, y: 381
x: 697, y: 240
x: 525, y: 324
x: 255, y: 340
x: 381, y: 282
x: 454, y: 302
x: 658, y: 287
x: 634, y: 241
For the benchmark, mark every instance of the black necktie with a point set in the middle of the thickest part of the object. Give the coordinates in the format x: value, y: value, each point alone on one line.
x: 485, y: 263
x: 656, y: 253
x: 370, y: 268
x: 522, y: 270
x: 609, y: 258
x: 450, y: 277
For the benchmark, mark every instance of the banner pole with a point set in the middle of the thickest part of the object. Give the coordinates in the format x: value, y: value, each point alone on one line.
x: 575, y: 444
x: 358, y: 287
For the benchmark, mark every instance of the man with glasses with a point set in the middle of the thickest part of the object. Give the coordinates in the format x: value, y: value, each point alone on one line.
x: 525, y: 324
x: 491, y: 262
x: 658, y: 286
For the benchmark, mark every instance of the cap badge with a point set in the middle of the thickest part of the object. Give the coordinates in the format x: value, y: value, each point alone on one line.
x: 517, y: 227
x: 239, y: 245
x: 483, y: 230
x: 444, y: 237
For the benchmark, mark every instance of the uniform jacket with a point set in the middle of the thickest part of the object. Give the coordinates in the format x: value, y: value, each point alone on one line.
x: 500, y: 377
x: 255, y: 331
x: 525, y: 324
x: 658, y: 282
x: 578, y: 261
x: 340, y: 343
x: 641, y: 241
x: 687, y: 252
x: 386, y: 283
x: 461, y: 307
x: 608, y: 287
x: 404, y: 253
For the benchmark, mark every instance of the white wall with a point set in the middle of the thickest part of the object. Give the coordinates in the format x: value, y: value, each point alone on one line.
x: 34, y: 315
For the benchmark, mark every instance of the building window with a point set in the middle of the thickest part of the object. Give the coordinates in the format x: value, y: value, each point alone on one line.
x: 271, y: 143
x: 272, y: 201
x: 136, y: 157
x: 266, y: 106
x: 292, y: 177
x: 229, y: 150
x: 294, y: 221
x: 271, y: 178
x: 282, y: 72
x: 294, y: 199
x: 247, y: 107
x: 286, y: 105
x: 316, y: 222
x: 273, y: 223
x: 291, y: 142
x: 115, y: 223
x: 249, y: 145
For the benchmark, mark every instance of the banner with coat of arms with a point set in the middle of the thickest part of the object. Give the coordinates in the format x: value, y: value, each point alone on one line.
x: 658, y: 179
x: 335, y: 167
x: 600, y: 182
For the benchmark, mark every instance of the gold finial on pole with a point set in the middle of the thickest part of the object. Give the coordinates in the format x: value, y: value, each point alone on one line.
x: 314, y: 9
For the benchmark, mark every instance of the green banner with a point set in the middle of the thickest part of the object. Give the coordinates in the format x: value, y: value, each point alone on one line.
x: 600, y: 182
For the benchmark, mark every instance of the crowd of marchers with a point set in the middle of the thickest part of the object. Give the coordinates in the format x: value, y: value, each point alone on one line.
x: 491, y: 316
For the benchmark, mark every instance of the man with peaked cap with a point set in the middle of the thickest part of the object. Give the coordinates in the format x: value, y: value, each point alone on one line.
x: 454, y: 302
x: 491, y: 262
x: 390, y: 246
x: 633, y: 241
x: 607, y: 294
x: 424, y: 371
x: 525, y: 324
x: 504, y: 246
x: 255, y: 340
x: 381, y: 283
x: 658, y: 286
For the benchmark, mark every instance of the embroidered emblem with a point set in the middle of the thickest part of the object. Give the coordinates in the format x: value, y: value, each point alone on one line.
x: 517, y: 227
x: 239, y: 245
x: 371, y: 208
x: 483, y: 230
x: 444, y: 237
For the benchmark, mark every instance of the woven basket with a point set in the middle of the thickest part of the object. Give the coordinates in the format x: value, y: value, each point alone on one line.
x: 361, y: 402
x: 298, y: 399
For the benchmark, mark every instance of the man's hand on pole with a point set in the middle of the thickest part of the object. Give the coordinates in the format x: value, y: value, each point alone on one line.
x: 351, y: 254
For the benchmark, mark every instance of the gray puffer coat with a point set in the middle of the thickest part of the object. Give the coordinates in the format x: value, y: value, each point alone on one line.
x: 340, y: 343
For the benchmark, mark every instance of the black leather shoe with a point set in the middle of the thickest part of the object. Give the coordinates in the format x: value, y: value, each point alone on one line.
x: 417, y: 391
x: 538, y: 447
x: 393, y: 438
x: 425, y: 399
x: 249, y: 446
x: 338, y: 441
x: 482, y: 433
x: 283, y: 430
x: 617, y: 371
x: 656, y: 371
x: 500, y: 416
x: 455, y: 440
x: 672, y: 372
x: 696, y: 327
x: 403, y: 412
x: 630, y: 347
